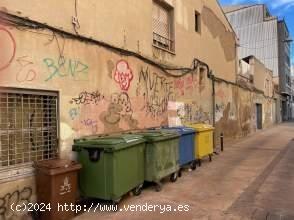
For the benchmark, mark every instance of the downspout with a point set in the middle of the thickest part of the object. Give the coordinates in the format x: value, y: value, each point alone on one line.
x: 212, y: 78
x: 213, y: 100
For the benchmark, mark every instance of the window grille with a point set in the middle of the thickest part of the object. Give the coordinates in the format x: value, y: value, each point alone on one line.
x: 28, y: 130
x: 162, y: 27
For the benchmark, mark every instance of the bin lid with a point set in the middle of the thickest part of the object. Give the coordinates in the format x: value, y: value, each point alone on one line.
x: 158, y: 135
x: 57, y: 166
x: 201, y: 127
x: 181, y: 129
x: 110, y: 143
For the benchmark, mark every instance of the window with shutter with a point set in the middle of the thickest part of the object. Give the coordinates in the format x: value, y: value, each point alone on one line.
x: 162, y: 27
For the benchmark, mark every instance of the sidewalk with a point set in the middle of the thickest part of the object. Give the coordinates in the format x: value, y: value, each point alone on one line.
x: 251, y: 179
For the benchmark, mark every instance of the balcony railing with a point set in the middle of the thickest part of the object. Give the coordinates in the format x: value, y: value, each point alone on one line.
x: 163, y: 42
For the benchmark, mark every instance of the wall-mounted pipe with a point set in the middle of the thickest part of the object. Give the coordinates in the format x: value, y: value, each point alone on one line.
x: 212, y: 78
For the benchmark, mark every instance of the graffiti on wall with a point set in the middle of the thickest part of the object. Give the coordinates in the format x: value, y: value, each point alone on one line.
x: 86, y: 98
x: 245, y: 116
x: 119, y: 109
x: 27, y: 73
x: 191, y: 82
x: 192, y: 112
x: 156, y: 91
x: 8, y: 48
x: 83, y: 102
x: 69, y: 68
x: 123, y: 75
x: 185, y: 85
x: 9, y: 201
x: 179, y: 85
x: 92, y: 124
x: 219, y: 109
x: 74, y: 113
x: 120, y: 106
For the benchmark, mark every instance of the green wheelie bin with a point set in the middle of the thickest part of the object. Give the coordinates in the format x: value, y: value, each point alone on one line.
x: 111, y: 166
x: 161, y: 156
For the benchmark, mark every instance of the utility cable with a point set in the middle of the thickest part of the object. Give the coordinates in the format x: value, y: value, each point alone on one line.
x: 75, y: 19
x: 26, y: 23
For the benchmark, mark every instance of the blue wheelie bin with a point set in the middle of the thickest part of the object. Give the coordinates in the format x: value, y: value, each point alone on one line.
x: 186, y: 146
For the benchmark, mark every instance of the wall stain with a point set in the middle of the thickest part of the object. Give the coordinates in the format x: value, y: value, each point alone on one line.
x: 110, y: 67
x: 202, y: 80
x: 225, y: 125
x: 219, y: 30
x: 243, y: 110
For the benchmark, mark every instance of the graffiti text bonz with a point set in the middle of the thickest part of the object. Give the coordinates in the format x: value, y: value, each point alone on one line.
x: 66, y: 68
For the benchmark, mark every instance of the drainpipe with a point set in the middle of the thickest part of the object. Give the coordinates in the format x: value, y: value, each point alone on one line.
x: 212, y: 77
x: 213, y: 100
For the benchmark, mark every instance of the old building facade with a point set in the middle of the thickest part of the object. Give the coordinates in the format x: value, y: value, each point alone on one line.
x: 64, y: 76
x: 253, y: 73
x: 267, y: 38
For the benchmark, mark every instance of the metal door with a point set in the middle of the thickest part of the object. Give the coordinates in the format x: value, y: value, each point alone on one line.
x: 259, y: 116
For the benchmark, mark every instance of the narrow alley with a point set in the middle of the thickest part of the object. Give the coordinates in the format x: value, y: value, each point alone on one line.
x: 118, y: 110
x: 252, y: 179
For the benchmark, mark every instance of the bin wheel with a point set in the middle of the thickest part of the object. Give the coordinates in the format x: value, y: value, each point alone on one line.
x: 36, y: 215
x: 210, y: 157
x: 180, y: 173
x: 193, y: 165
x: 158, y: 187
x: 137, y: 191
x: 116, y: 201
x: 174, y: 177
x: 199, y: 162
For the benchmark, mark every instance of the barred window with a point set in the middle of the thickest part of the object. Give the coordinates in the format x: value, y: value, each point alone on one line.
x: 28, y: 130
x: 162, y: 18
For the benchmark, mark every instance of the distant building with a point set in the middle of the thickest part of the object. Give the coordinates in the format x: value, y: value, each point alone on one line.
x: 267, y: 38
x: 253, y: 74
x: 292, y: 97
x: 253, y: 71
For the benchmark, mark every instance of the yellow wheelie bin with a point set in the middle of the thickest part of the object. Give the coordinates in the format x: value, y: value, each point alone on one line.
x: 203, y: 141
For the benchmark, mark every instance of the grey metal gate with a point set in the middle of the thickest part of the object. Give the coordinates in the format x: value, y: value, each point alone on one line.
x: 259, y: 116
